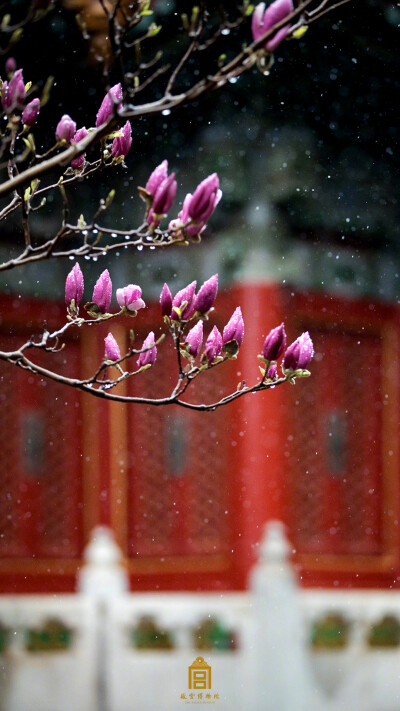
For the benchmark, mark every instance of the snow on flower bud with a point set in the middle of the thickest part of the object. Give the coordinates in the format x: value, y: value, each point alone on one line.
x: 213, y: 345
x: 78, y: 163
x: 122, y: 144
x: 149, y: 356
x: 299, y: 353
x: 13, y: 92
x: 112, y: 100
x: 102, y: 292
x: 264, y: 19
x: 234, y: 329
x: 306, y: 350
x: 206, y: 296
x: 74, y: 285
x: 275, y: 343
x: 166, y: 301
x: 184, y: 295
x: 156, y: 178
x: 130, y: 297
x: 194, y: 339
x: 204, y: 199
x: 165, y: 195
x: 66, y: 128
x: 31, y: 112
x: 112, y: 351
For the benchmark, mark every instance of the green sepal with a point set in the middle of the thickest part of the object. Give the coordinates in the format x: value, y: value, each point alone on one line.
x: 298, y: 34
x: 143, y: 367
x: 153, y: 30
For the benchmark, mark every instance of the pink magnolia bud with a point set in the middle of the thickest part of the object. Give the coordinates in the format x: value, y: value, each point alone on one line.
x: 166, y: 301
x: 186, y: 294
x: 11, y: 65
x: 129, y: 297
x: 272, y: 372
x: 183, y: 218
x: 213, y: 345
x: 112, y: 351
x: 204, y: 198
x: 13, y: 92
x: 186, y: 221
x: 78, y: 163
x: 275, y: 343
x: 66, y: 128
x: 194, y: 339
x: 102, y: 292
x: 31, y: 112
x: 206, y: 296
x: 165, y: 195
x: 234, y: 329
x: 122, y: 144
x: 264, y: 19
x: 156, y: 178
x: 299, y: 353
x: 148, y: 357
x: 74, y: 285
x: 110, y: 103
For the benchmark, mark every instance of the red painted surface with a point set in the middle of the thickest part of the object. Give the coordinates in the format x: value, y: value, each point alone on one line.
x: 41, y: 510
x: 187, y: 493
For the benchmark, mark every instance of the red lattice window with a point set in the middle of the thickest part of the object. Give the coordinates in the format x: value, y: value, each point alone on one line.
x: 336, y: 448
x: 40, y: 469
x: 178, y: 470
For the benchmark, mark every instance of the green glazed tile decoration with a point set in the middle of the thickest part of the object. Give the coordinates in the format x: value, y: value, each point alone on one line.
x: 330, y: 632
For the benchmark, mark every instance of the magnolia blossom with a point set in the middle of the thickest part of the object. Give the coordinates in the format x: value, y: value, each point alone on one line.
x: 272, y: 372
x: 234, y: 329
x: 78, y: 163
x: 206, y: 295
x: 299, y: 353
x: 213, y: 345
x: 204, y: 199
x: 13, y: 92
x: 102, y: 292
x: 264, y: 19
x: 122, y: 144
x: 166, y: 300
x: 156, y: 178
x: 130, y: 297
x: 66, y: 128
x: 163, y: 199
x: 148, y: 357
x: 112, y: 351
x: 11, y: 65
x: 112, y: 100
x: 198, y: 208
x: 31, y: 112
x: 74, y: 285
x: 194, y: 339
x: 186, y: 294
x: 183, y: 219
x: 275, y: 343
